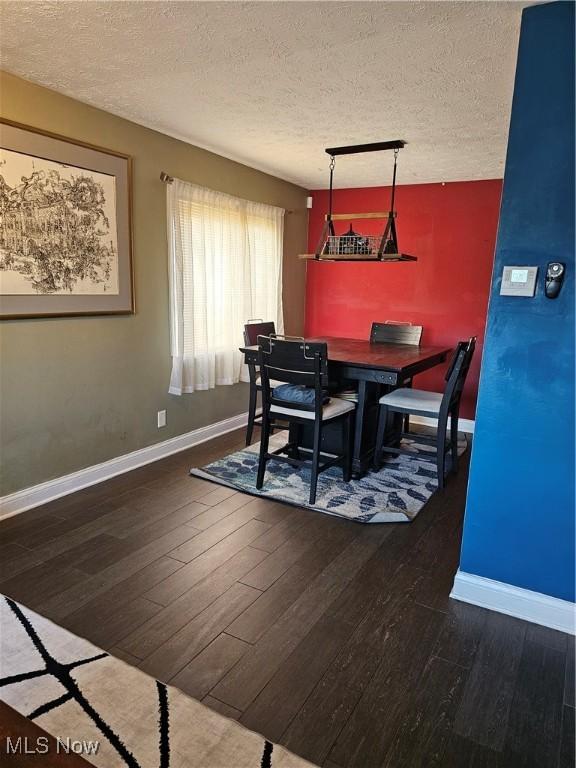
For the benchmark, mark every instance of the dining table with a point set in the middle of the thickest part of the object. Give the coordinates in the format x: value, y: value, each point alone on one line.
x: 372, y: 369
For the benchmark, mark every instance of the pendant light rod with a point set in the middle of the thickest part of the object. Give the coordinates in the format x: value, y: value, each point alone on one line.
x: 394, y: 181
x: 331, y: 186
x: 329, y: 218
x: 356, y: 149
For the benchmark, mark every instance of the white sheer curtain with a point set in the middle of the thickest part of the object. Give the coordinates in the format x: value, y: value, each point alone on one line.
x: 225, y: 267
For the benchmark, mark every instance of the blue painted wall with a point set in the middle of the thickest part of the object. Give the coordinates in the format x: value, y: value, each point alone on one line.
x: 519, y: 525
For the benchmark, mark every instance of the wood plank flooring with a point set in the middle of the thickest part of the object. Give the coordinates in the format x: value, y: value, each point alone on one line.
x: 336, y: 639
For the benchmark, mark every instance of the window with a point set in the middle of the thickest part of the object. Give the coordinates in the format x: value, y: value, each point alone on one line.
x: 225, y: 267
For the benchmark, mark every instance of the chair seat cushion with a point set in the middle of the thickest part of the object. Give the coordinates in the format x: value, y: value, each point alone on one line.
x: 298, y: 396
x: 413, y: 400
x: 335, y: 407
x: 273, y: 382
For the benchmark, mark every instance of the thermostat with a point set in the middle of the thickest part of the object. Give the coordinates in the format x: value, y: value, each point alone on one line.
x: 518, y: 281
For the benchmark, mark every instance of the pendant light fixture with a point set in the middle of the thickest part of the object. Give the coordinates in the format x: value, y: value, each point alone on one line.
x: 351, y: 246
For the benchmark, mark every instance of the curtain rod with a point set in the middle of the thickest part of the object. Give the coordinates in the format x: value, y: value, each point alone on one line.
x: 169, y: 179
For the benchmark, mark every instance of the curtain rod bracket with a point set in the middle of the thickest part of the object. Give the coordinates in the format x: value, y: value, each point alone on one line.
x: 165, y: 178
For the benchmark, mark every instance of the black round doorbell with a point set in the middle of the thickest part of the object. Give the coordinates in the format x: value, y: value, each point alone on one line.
x: 554, y: 279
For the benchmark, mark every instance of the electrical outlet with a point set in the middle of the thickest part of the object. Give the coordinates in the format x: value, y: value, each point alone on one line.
x: 161, y: 419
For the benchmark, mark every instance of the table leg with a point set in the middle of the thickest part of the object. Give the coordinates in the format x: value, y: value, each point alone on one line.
x: 294, y: 431
x: 396, y: 426
x: 357, y: 469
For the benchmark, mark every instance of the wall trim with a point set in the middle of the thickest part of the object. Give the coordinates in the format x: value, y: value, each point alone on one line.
x: 464, y: 425
x: 515, y: 601
x: 35, y: 495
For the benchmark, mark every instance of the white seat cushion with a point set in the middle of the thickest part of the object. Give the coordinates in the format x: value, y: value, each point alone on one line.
x: 335, y: 407
x: 273, y: 382
x: 413, y: 400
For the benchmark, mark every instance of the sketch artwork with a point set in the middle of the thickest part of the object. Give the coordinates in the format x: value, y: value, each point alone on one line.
x: 57, y: 228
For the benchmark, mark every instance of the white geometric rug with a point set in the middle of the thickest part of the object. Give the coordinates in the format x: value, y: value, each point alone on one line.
x: 75, y: 691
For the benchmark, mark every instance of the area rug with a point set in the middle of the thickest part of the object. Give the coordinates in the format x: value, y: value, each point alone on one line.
x: 395, y: 493
x: 113, y: 714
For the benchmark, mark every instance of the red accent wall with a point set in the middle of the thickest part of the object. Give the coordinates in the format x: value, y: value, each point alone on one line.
x: 451, y: 228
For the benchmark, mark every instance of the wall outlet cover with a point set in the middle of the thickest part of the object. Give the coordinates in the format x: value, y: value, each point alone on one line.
x: 161, y: 419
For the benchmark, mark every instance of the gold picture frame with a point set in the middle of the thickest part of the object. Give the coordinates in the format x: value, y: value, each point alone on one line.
x: 65, y: 226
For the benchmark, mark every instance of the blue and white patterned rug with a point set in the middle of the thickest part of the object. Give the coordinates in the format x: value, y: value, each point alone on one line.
x: 396, y: 493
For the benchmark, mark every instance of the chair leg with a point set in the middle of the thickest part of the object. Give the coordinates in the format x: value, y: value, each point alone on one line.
x: 347, y: 447
x: 454, y: 440
x: 251, y: 413
x: 298, y: 433
x: 263, y: 451
x: 440, y: 449
x: 408, y: 384
x: 315, y: 460
x: 382, y: 419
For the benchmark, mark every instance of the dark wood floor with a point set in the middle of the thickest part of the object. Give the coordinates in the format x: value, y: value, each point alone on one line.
x: 333, y: 638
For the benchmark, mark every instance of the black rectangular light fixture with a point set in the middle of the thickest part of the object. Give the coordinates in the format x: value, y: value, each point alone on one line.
x: 356, y: 149
x: 351, y: 246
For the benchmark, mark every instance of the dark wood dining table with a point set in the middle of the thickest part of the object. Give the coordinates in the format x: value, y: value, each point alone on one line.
x: 372, y: 369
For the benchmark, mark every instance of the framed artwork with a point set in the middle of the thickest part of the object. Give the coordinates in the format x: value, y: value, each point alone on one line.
x: 65, y: 226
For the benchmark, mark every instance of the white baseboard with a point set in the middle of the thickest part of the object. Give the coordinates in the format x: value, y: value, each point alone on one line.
x: 464, y: 425
x: 515, y: 601
x: 36, y: 495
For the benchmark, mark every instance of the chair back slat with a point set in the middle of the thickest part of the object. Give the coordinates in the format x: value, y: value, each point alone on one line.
x: 395, y: 333
x: 294, y: 361
x: 457, y: 372
x: 256, y: 328
x: 460, y: 347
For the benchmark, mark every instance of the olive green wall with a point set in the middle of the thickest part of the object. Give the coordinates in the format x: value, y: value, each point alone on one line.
x: 78, y: 391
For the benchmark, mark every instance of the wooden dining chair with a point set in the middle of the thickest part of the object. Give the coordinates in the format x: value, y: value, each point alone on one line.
x: 393, y: 332
x: 304, y: 365
x: 433, y: 404
x: 252, y: 330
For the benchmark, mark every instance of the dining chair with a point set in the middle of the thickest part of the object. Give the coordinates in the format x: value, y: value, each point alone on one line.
x: 252, y: 330
x: 392, y: 332
x: 437, y: 405
x: 397, y: 332
x: 302, y: 367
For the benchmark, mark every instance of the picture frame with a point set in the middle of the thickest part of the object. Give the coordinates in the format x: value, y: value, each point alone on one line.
x: 65, y: 226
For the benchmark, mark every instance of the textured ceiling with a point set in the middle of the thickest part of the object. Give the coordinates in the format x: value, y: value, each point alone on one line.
x: 273, y: 84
